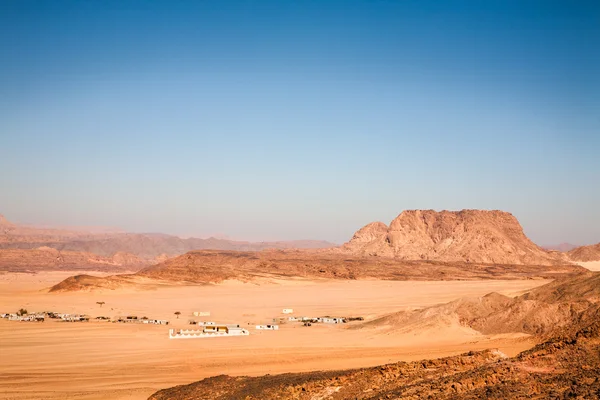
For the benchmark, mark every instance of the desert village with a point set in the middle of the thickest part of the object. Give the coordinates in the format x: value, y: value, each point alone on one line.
x: 209, y: 328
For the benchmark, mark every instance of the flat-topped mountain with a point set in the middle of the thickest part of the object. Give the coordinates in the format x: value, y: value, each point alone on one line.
x: 478, y: 236
x: 585, y: 253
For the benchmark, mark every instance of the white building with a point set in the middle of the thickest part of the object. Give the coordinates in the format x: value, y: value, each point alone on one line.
x: 329, y: 320
x: 208, y: 331
x: 201, y: 313
x: 268, y: 327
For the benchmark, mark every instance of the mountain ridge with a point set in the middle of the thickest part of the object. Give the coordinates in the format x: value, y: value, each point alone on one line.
x: 147, y: 246
x: 585, y: 253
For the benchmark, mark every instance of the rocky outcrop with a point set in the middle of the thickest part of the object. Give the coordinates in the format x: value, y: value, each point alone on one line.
x: 369, y: 233
x: 492, y: 237
x: 585, y: 253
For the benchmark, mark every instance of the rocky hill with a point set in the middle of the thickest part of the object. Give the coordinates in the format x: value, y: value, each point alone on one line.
x: 211, y: 266
x: 585, y: 253
x: 542, y: 311
x: 493, y: 237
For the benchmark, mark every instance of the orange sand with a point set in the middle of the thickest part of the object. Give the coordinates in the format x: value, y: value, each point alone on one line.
x: 99, y: 360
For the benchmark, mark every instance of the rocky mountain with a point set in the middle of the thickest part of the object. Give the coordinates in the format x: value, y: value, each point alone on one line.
x: 585, y: 253
x: 564, y: 247
x: 493, y: 237
x: 145, y: 246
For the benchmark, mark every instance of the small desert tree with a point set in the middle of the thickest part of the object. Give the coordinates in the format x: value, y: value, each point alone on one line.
x: 178, y: 313
x: 22, y: 311
x: 100, y: 302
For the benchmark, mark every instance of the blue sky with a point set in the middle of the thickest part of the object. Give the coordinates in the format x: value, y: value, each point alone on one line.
x: 289, y: 120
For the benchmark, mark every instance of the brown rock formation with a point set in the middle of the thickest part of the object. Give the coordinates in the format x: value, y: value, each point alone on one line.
x: 493, y: 237
x: 209, y: 266
x: 585, y: 253
x: 543, y: 311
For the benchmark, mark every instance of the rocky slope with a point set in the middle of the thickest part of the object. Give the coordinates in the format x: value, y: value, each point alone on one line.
x: 585, y: 253
x: 566, y: 364
x: 542, y: 311
x: 210, y: 266
x: 493, y: 237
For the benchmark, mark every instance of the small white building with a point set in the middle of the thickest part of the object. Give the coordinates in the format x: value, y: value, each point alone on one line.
x: 201, y: 313
x: 288, y: 311
x: 301, y: 319
x: 208, y: 331
x: 74, y: 318
x: 268, y: 327
x: 155, y: 321
x: 329, y: 320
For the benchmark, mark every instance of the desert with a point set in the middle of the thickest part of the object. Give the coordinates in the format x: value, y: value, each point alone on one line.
x: 390, y: 309
x: 299, y: 200
x: 102, y: 360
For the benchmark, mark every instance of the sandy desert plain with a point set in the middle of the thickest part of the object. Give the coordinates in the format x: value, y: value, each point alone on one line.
x: 412, y: 310
x: 100, y: 360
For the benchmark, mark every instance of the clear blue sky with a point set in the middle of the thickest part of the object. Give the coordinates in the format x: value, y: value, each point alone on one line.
x: 308, y: 119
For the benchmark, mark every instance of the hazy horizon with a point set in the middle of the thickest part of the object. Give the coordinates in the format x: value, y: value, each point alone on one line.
x: 282, y: 121
x: 224, y: 235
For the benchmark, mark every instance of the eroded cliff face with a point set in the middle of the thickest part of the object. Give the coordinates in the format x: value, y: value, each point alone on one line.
x: 493, y: 237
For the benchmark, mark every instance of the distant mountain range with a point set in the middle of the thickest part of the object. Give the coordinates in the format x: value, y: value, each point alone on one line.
x: 564, y: 247
x: 467, y: 236
x: 130, y: 249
